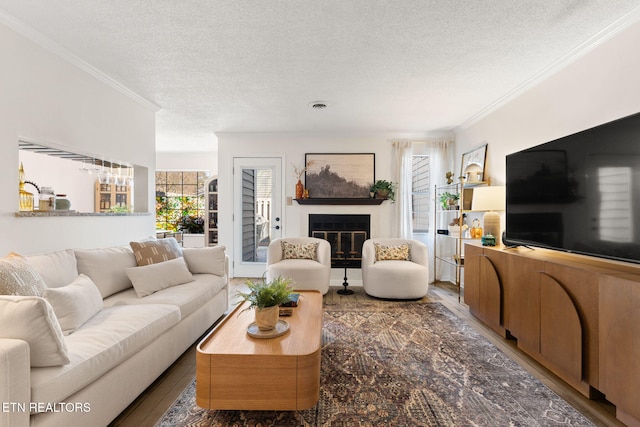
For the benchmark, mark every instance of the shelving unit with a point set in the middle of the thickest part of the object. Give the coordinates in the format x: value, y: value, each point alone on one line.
x: 211, y: 226
x: 449, y: 239
x: 108, y: 196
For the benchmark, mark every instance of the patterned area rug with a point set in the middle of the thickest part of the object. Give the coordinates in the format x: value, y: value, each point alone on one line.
x: 404, y: 364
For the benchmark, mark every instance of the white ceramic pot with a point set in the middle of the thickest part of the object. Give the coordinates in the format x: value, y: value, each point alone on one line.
x: 267, y: 317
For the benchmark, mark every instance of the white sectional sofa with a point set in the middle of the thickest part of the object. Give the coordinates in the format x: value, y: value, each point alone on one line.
x: 77, y: 356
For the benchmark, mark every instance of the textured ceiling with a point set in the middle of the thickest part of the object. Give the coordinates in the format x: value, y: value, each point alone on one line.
x: 254, y: 66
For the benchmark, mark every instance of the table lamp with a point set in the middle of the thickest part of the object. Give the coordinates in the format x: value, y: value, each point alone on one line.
x: 490, y: 199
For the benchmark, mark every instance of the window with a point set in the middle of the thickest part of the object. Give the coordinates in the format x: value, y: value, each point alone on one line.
x: 179, y: 194
x: 420, y: 200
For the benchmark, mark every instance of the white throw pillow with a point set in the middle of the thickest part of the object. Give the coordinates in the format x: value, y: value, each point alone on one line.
x: 32, y: 319
x: 56, y: 268
x: 17, y: 277
x: 205, y: 260
x: 75, y: 303
x: 106, y: 267
x: 148, y: 279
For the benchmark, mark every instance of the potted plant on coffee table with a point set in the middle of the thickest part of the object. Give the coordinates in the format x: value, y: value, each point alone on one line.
x: 266, y: 297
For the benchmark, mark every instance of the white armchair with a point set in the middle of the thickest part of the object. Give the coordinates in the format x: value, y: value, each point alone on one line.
x: 394, y: 278
x: 306, y: 273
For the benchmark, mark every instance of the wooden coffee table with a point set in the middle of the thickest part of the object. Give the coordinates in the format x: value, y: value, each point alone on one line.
x: 237, y: 371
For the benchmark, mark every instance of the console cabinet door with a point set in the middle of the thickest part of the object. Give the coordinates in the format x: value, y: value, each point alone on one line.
x: 522, y: 315
x: 620, y: 345
x: 472, y: 256
x: 483, y: 294
x: 561, y: 333
x: 581, y: 283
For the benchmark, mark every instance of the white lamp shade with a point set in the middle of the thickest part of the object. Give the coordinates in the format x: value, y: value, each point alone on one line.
x: 490, y: 198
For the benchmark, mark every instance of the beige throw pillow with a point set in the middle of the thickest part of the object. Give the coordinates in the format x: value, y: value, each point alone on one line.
x: 31, y: 319
x: 205, y: 260
x: 299, y: 250
x: 152, y: 278
x: 106, y: 267
x: 75, y: 303
x: 57, y: 268
x: 385, y: 253
x: 17, y: 277
x: 150, y: 252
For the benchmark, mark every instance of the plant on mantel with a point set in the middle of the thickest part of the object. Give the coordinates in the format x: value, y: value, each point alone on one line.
x: 383, y: 189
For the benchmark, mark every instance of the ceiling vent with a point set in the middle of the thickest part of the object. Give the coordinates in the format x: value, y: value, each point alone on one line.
x: 318, y: 105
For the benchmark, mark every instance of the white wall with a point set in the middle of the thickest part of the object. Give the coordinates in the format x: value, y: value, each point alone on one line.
x: 47, y: 99
x: 292, y: 147
x: 601, y: 86
x: 205, y: 161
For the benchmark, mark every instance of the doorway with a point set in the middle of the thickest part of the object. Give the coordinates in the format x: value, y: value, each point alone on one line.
x: 257, y: 212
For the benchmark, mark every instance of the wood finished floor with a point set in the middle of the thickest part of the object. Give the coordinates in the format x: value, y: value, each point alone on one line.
x: 152, y: 404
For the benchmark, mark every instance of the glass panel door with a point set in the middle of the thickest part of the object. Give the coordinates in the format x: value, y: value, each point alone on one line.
x: 257, y: 212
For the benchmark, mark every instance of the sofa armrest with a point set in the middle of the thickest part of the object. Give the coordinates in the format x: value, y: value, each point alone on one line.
x: 15, y: 382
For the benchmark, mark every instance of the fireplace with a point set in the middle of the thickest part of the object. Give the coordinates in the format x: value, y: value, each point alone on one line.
x: 345, y: 233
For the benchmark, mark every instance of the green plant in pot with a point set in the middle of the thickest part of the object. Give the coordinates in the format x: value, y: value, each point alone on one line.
x: 384, y: 189
x: 448, y: 200
x: 191, y: 224
x: 266, y: 297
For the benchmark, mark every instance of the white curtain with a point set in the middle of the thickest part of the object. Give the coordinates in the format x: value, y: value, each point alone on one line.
x: 402, y: 178
x: 441, y: 161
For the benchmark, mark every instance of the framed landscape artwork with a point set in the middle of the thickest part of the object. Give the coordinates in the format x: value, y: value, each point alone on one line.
x: 339, y: 176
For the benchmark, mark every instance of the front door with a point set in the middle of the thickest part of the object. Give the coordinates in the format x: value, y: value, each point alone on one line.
x: 257, y: 212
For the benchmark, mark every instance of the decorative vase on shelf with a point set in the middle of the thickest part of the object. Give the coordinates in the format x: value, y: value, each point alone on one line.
x: 299, y: 189
x: 26, y: 198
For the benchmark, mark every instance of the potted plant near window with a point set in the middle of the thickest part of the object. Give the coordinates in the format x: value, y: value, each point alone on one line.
x: 383, y: 189
x: 192, y: 228
x: 266, y: 297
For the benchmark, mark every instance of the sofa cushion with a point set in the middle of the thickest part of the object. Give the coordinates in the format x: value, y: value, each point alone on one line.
x: 151, y: 278
x: 103, y: 342
x: 188, y: 297
x: 153, y: 251
x: 299, y: 250
x: 106, y: 267
x: 56, y: 268
x: 386, y: 253
x: 75, y: 303
x: 205, y: 260
x: 31, y: 318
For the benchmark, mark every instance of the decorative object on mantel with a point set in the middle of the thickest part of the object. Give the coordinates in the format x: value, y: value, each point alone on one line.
x: 473, y: 165
x: 300, y: 190
x: 266, y: 297
x: 335, y: 202
x: 384, y: 190
x: 339, y: 175
x: 26, y: 198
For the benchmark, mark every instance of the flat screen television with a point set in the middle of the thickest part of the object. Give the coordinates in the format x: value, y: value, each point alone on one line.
x: 579, y: 193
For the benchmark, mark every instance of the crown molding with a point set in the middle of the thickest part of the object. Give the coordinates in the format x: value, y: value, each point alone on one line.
x: 48, y: 44
x: 579, y: 51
